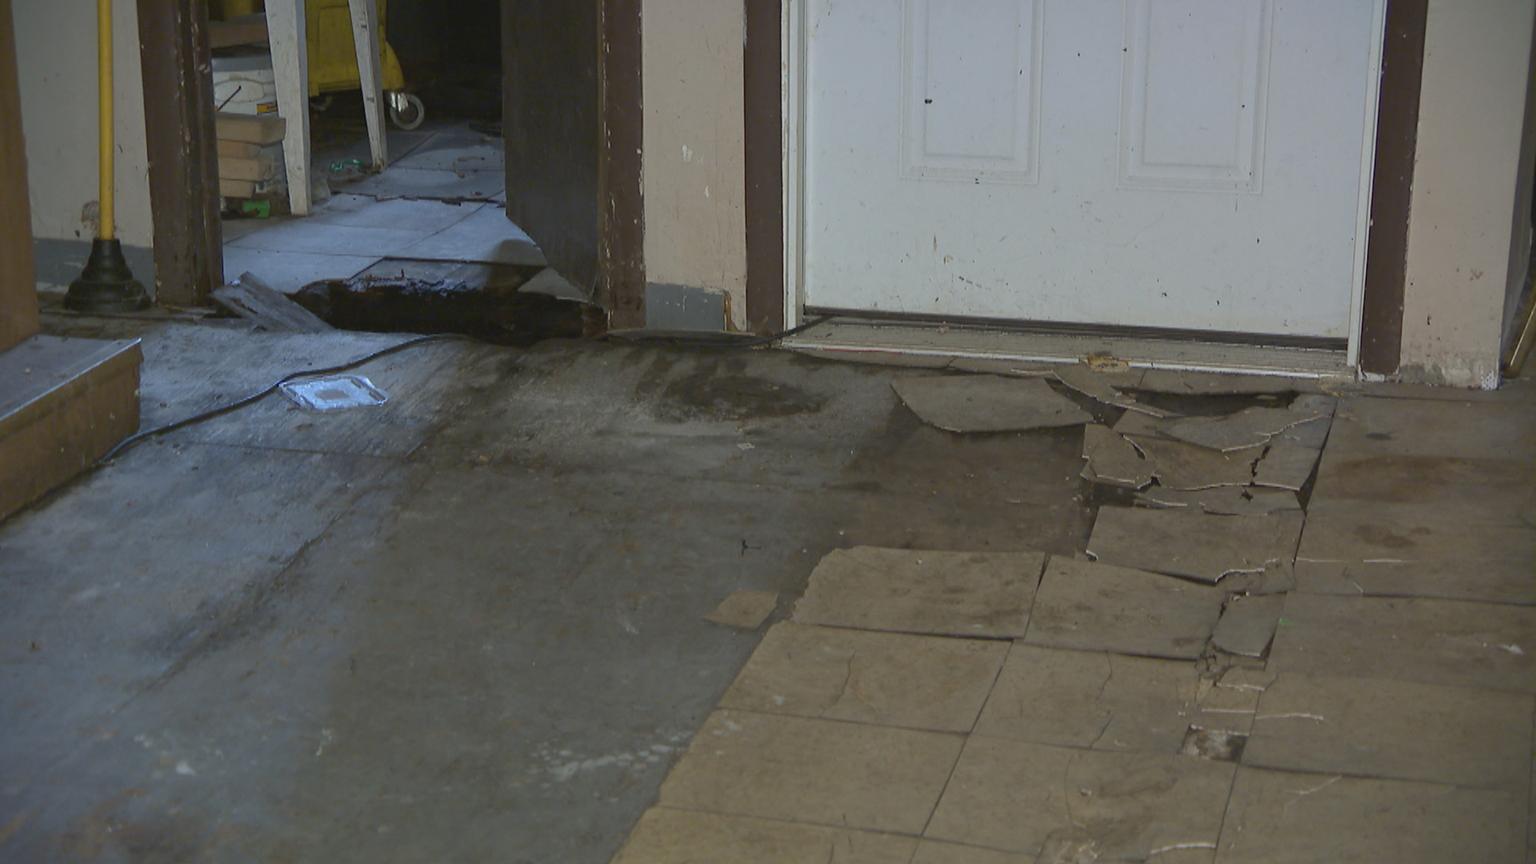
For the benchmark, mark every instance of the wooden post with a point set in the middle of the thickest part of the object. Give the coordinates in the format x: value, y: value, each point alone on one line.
x: 290, y: 69
x: 370, y: 75
x: 183, y: 150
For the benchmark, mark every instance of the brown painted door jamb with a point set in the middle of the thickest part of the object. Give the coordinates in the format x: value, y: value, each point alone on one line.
x: 183, y: 150
x: 764, y: 167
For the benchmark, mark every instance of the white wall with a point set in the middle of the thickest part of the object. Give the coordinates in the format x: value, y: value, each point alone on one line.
x: 694, y: 161
x: 1462, y: 225
x: 56, y: 60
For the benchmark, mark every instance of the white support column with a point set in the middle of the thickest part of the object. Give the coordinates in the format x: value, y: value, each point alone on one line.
x: 365, y: 38
x: 290, y: 69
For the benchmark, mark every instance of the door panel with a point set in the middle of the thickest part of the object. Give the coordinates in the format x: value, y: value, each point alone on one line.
x: 1189, y: 164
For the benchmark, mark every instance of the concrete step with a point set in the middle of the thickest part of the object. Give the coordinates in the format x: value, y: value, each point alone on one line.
x: 63, y: 404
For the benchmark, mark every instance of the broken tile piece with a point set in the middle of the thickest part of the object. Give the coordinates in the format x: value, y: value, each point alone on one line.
x: 1278, y: 577
x: 1101, y: 387
x: 1286, y: 464
x: 1112, y: 460
x: 889, y: 679
x: 1219, y: 383
x: 1193, y: 545
x: 1177, y: 465
x: 667, y: 836
x: 1027, y: 797
x: 1505, y: 580
x: 848, y: 775
x: 1091, y: 700
x: 1430, y: 641
x: 1250, y: 427
x: 988, y: 403
x: 744, y: 610
x: 1226, y: 709
x: 1099, y: 607
x: 1248, y: 624
x: 1284, y: 818
x: 906, y: 591
x: 1222, y: 500
x: 1379, y: 727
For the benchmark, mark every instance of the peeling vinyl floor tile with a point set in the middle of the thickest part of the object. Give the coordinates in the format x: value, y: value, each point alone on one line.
x: 889, y: 679
x: 1286, y: 464
x: 1177, y: 465
x: 744, y: 610
x: 1098, y: 607
x: 1358, y: 531
x: 1447, y: 642
x: 1280, y: 817
x: 1090, y: 700
x: 845, y: 775
x: 1030, y: 798
x: 1112, y: 460
x: 667, y: 836
x: 1222, y: 500
x: 1378, y: 727
x: 987, y: 403
x: 1193, y: 545
x: 975, y: 594
x: 1250, y: 427
x: 1219, y: 383
x: 1102, y: 388
x: 1247, y: 624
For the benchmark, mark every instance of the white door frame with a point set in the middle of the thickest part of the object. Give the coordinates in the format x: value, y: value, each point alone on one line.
x: 792, y: 89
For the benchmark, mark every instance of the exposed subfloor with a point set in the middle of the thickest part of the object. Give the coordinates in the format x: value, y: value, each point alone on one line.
x: 469, y: 625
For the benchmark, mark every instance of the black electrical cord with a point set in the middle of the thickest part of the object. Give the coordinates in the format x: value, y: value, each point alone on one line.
x: 236, y: 405
x: 139, y: 437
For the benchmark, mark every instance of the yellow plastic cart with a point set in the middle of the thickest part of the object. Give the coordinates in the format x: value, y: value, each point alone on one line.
x: 333, y: 59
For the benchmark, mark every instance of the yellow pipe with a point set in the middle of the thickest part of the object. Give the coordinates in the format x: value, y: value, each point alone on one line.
x: 104, y: 116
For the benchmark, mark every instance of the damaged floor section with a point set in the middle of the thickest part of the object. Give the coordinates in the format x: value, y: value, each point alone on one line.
x: 585, y: 601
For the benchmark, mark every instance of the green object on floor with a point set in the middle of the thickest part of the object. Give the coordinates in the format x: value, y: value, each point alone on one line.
x: 256, y: 209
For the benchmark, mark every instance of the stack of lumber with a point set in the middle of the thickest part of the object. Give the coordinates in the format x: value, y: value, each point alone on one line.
x: 250, y: 155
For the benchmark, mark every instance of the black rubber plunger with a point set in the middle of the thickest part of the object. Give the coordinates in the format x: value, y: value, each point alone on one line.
x: 106, y: 284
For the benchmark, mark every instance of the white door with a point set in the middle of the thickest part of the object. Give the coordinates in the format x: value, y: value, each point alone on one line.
x: 1191, y: 164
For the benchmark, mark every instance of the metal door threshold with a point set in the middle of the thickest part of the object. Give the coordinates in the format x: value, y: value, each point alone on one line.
x: 918, y: 339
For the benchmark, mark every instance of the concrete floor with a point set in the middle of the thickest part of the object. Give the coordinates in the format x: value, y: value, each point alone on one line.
x: 466, y: 626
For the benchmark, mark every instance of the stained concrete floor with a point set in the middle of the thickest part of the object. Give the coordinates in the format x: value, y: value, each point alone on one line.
x: 466, y: 626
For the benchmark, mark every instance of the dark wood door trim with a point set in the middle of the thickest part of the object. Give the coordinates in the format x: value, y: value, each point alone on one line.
x: 621, y: 202
x: 1397, y: 133
x: 764, y: 157
x: 183, y: 150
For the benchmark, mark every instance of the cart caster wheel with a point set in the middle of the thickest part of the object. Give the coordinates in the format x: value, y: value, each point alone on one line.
x: 406, y: 110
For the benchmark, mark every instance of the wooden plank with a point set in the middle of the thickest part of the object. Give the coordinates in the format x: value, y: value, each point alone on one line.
x: 365, y: 41
x: 239, y: 149
x: 237, y: 31
x: 63, y: 404
x: 290, y: 64
x: 269, y: 309
x: 18, y: 287
x: 251, y: 128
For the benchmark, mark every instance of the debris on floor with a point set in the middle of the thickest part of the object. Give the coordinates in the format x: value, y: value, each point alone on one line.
x: 1221, y: 500
x: 270, y: 310
x: 335, y: 393
x: 744, y: 610
x: 988, y: 403
x: 1248, y: 428
x: 1248, y: 624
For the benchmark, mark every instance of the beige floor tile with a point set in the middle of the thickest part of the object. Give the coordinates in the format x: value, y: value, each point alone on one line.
x: 1247, y: 624
x: 1398, y: 729
x: 933, y: 852
x: 667, y: 836
x: 1465, y: 430
x: 943, y: 593
x: 1431, y: 641
x: 1097, y: 607
x: 889, y: 679
x: 1286, y: 818
x: 1089, y: 699
x: 1029, y: 797
x: 1356, y: 531
x: 818, y: 771
x: 1193, y: 545
x: 1502, y: 580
